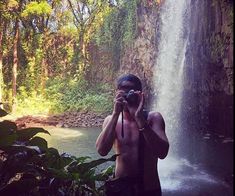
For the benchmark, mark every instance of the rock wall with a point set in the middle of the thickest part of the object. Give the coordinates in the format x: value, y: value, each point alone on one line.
x: 209, y: 72
x: 208, y: 76
x: 140, y: 56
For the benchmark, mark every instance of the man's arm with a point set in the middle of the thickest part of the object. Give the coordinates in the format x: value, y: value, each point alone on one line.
x: 154, y: 134
x: 106, y: 138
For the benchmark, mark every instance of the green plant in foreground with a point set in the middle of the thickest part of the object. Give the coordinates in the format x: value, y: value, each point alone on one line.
x: 29, y: 167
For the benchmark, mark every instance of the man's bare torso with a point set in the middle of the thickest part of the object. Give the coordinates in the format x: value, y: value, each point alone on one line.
x: 127, y: 161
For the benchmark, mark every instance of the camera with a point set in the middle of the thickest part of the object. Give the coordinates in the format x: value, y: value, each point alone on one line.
x: 131, y: 97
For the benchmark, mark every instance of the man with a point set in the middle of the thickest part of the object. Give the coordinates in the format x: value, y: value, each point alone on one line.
x: 123, y: 134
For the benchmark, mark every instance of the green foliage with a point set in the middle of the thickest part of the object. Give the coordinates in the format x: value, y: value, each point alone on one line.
x: 119, y: 24
x: 73, y: 95
x: 29, y: 167
x: 37, y: 8
x: 118, y: 30
x: 65, y: 95
x: 50, y: 47
x: 32, y: 104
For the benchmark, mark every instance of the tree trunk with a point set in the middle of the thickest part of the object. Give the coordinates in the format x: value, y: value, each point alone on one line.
x: 44, y: 65
x: 82, y: 50
x: 44, y: 75
x: 15, y: 65
x: 1, y: 73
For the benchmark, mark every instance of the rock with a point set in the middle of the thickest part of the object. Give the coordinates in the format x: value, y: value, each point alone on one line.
x: 70, y: 119
x: 227, y: 140
x: 59, y: 125
x: 66, y: 125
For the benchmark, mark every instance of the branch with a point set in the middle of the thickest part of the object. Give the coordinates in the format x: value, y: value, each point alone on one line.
x: 73, y: 11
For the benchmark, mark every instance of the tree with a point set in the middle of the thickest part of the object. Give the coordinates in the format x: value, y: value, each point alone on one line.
x: 36, y: 16
x: 85, y: 13
x: 13, y: 9
x: 4, y: 19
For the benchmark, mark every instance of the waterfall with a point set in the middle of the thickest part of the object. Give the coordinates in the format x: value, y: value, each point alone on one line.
x: 170, y: 62
x: 168, y: 84
x: 178, y: 175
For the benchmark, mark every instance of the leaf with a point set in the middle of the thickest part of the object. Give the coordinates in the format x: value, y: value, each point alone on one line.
x: 20, y: 148
x: 104, y: 175
x: 7, y: 140
x: 54, y: 160
x: 82, y: 159
x: 23, y: 185
x: 7, y: 127
x: 60, y: 173
x: 28, y: 133
x: 3, y: 112
x: 37, y: 9
x: 85, y: 167
x: 38, y: 141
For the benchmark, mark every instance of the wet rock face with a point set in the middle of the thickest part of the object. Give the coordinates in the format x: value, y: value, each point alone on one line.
x: 209, y: 71
x: 208, y: 76
x: 139, y: 57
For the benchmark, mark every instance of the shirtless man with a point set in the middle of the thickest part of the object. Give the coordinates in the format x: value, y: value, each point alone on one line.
x: 134, y: 121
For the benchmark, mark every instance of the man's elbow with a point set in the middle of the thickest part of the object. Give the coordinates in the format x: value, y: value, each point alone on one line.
x: 101, y: 151
x: 164, y: 152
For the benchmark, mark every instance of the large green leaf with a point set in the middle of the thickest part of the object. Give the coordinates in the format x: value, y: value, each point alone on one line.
x: 28, y: 133
x: 85, y: 167
x: 13, y: 149
x: 3, y: 112
x: 7, y: 140
x: 38, y: 141
x: 105, y: 174
x: 60, y: 173
x: 54, y: 160
x: 82, y: 159
x: 7, y: 127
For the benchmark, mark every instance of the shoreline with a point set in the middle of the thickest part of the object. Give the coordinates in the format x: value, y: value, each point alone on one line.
x: 65, y: 120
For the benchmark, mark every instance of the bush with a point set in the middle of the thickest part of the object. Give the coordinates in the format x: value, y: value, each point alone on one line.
x: 75, y: 95
x: 63, y: 96
x: 29, y: 167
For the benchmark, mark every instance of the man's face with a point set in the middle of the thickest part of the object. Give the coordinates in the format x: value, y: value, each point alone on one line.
x: 126, y: 86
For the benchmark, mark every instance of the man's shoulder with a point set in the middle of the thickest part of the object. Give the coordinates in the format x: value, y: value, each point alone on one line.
x: 107, y: 118
x: 154, y: 115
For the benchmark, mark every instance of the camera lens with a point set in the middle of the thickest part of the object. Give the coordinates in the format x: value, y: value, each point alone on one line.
x: 132, y: 97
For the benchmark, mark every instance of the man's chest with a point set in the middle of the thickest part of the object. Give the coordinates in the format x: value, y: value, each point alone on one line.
x: 127, y: 133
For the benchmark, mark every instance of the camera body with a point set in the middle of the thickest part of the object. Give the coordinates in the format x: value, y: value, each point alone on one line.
x: 131, y: 97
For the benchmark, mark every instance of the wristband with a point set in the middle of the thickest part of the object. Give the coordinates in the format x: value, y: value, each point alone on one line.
x: 143, y: 128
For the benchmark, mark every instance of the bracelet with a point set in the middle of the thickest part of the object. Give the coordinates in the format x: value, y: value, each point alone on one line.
x: 143, y: 128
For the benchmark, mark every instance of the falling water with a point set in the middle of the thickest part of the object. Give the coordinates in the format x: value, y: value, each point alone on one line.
x: 176, y: 173
x: 170, y: 64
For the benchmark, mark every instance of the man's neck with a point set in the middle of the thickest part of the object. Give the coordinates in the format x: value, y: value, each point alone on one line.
x: 127, y: 116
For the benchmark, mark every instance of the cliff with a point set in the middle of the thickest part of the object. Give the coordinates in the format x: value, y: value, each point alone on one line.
x: 209, y: 72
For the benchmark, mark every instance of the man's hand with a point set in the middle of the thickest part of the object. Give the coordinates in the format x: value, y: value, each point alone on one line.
x: 137, y: 112
x: 119, y: 102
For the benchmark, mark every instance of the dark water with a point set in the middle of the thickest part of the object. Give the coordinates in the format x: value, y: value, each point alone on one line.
x: 209, y: 172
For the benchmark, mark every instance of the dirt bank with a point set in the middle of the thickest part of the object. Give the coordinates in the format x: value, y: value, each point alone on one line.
x: 69, y: 119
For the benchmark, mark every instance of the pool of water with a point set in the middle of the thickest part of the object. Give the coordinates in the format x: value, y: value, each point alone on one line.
x: 178, y: 176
